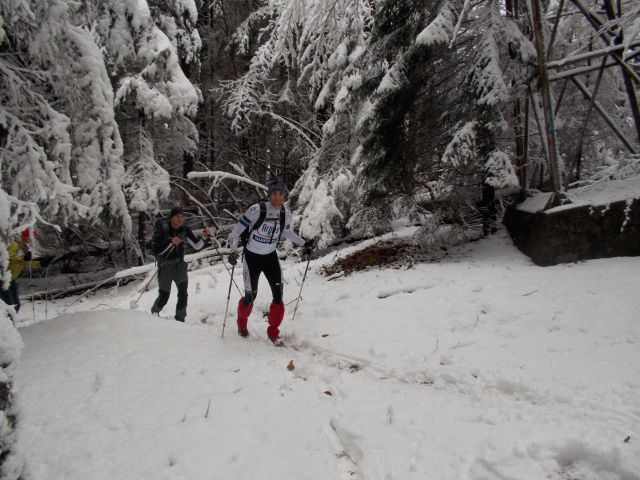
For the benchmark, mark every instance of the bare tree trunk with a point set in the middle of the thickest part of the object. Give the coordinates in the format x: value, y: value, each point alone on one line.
x: 551, y: 138
x: 187, y: 163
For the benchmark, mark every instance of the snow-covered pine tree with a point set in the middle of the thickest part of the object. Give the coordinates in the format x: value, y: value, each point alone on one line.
x: 35, y: 175
x: 473, y: 164
x: 155, y: 101
x: 61, y: 149
x: 45, y: 158
x: 308, y: 54
x: 491, y: 89
x: 411, y: 92
x: 67, y: 48
x: 423, y: 70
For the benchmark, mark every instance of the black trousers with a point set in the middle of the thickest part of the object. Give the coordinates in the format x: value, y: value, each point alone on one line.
x: 167, y: 274
x: 10, y: 295
x: 253, y: 265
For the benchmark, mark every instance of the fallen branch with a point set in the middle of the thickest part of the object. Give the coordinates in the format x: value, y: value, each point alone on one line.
x: 218, y: 176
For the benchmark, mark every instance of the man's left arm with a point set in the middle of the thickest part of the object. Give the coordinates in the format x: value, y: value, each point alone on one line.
x: 197, y: 244
x: 289, y: 233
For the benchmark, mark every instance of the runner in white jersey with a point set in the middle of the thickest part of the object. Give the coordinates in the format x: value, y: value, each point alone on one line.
x: 260, y: 255
x: 264, y: 239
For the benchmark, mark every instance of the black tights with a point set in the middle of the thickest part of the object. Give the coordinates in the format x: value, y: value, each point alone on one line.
x: 255, y: 264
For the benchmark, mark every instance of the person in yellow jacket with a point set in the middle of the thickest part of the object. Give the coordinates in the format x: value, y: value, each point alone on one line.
x: 19, y: 258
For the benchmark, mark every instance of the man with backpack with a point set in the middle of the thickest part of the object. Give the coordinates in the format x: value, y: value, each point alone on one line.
x: 263, y: 224
x: 169, y: 248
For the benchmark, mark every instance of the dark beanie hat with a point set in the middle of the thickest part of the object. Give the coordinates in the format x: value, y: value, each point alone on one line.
x: 275, y: 185
x: 176, y: 210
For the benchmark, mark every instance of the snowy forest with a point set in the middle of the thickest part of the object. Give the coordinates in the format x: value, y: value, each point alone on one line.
x: 402, y: 128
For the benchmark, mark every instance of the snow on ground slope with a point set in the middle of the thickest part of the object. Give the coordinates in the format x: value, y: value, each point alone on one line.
x: 482, y: 366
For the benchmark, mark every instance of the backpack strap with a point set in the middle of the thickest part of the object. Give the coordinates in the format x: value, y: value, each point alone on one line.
x: 262, y: 216
x: 166, y: 227
x: 283, y: 219
x: 244, y: 236
x: 260, y: 221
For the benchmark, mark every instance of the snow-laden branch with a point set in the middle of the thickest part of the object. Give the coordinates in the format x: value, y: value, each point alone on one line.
x: 193, y: 257
x: 297, y: 127
x: 218, y: 176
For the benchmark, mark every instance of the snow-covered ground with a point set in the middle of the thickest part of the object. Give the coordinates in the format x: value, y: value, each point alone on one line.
x: 481, y: 366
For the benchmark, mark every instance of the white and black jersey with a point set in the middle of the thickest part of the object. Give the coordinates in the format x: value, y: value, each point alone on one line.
x: 264, y: 239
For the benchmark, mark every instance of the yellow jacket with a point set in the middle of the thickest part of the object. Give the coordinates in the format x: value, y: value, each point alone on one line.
x: 16, y: 260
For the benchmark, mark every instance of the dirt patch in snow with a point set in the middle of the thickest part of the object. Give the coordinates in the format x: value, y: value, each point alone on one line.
x: 392, y: 254
x: 381, y: 253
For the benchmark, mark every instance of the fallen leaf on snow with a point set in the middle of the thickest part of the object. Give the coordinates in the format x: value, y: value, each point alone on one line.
x: 291, y: 366
x: 327, y: 392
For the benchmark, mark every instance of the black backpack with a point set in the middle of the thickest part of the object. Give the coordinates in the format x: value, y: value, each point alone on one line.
x: 244, y: 237
x: 160, y: 228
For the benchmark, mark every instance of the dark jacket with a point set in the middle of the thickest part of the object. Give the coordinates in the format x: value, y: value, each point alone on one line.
x: 164, y: 250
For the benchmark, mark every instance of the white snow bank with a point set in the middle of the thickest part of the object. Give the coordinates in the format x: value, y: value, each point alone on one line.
x: 481, y: 366
x: 606, y: 192
x: 10, y: 342
x: 536, y: 203
x: 601, y: 194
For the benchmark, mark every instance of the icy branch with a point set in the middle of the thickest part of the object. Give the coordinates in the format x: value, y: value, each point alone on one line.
x: 218, y: 176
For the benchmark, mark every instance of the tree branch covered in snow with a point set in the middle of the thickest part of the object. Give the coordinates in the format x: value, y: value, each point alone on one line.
x: 63, y: 155
x: 219, y: 176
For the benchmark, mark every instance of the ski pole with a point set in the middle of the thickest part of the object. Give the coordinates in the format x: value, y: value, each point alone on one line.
x: 227, y: 269
x: 144, y: 289
x: 301, y: 285
x: 226, y: 309
x: 225, y: 263
x: 46, y: 294
x: 33, y: 301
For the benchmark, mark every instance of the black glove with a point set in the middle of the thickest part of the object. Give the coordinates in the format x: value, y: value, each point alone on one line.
x: 233, y: 258
x: 27, y: 256
x: 309, y: 245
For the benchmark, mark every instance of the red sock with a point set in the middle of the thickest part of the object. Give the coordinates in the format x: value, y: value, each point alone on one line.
x: 276, y: 314
x: 243, y: 314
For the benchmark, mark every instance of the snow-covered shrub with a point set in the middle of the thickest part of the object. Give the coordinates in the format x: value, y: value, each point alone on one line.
x: 370, y: 221
x: 11, y: 462
x: 611, y: 167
